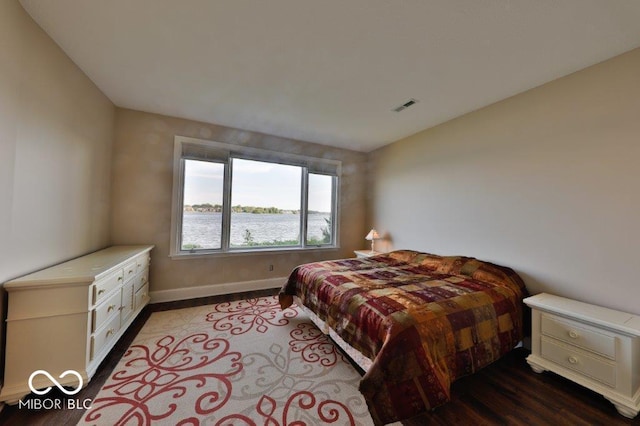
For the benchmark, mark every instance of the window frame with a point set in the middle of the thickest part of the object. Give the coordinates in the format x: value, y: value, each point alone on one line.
x: 224, y: 153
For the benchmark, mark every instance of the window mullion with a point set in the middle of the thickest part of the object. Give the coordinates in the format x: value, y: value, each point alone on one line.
x: 334, y: 210
x: 226, y: 206
x: 180, y: 208
x: 304, y: 206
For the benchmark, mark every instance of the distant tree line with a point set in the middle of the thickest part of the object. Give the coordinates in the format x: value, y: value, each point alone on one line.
x: 256, y: 210
x: 217, y: 208
x: 206, y: 207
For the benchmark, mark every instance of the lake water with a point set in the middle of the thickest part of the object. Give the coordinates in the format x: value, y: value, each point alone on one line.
x: 203, y: 230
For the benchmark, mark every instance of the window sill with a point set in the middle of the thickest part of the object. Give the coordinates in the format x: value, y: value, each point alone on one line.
x: 241, y: 252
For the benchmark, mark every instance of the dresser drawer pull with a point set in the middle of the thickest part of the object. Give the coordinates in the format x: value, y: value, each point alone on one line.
x: 574, y: 334
x: 573, y: 360
x: 101, y: 291
x: 110, y: 332
x: 111, y: 308
x: 119, y: 278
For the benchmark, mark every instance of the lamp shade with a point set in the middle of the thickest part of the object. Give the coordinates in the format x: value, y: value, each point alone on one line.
x: 372, y: 235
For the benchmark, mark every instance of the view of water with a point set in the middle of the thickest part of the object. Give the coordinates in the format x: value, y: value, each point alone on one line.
x: 203, y: 230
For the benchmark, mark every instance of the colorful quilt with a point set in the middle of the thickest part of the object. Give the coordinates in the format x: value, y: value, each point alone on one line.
x: 424, y: 321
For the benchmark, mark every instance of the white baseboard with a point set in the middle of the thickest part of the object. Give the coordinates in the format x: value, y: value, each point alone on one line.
x: 214, y: 290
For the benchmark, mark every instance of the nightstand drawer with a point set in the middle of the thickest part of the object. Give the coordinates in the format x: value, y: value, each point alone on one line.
x: 579, y: 335
x: 584, y: 364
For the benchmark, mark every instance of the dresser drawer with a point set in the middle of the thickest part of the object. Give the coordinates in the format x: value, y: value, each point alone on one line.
x: 105, y: 311
x: 104, y: 286
x: 597, y: 369
x: 579, y: 335
x: 102, y: 338
x: 142, y: 262
x: 130, y: 270
x: 141, y: 280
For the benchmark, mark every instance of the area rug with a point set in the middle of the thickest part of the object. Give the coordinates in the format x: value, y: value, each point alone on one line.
x: 238, y: 363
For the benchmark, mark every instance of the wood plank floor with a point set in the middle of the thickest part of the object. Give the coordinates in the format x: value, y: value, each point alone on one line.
x: 505, y: 393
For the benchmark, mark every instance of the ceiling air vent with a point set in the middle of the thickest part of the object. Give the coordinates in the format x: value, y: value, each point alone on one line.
x: 405, y: 105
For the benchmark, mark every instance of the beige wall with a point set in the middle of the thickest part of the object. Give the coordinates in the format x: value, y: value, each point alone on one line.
x: 142, y: 188
x: 56, y: 132
x: 546, y: 182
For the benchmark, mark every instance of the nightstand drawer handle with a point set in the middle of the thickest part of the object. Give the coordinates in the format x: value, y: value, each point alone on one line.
x: 574, y: 334
x: 111, y: 308
x: 573, y: 360
x: 102, y: 290
x: 110, y: 332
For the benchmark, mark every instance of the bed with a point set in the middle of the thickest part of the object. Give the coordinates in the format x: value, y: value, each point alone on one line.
x: 419, y: 321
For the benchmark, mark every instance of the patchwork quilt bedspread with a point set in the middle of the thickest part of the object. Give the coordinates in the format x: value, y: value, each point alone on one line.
x: 424, y: 320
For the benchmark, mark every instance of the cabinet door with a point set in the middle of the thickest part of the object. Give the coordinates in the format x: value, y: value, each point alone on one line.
x: 126, y: 304
x: 142, y: 297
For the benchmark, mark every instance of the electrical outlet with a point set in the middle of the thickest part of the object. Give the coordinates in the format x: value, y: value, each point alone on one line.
x: 270, y: 268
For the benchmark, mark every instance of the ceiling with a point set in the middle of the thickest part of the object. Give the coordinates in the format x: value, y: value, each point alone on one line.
x: 331, y: 71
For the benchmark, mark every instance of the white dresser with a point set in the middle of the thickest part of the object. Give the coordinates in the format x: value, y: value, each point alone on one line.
x: 69, y: 316
x: 598, y: 348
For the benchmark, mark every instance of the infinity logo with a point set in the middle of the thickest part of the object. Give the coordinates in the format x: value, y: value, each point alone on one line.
x: 55, y: 382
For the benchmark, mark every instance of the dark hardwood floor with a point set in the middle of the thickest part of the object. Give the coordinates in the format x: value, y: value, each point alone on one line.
x: 505, y: 393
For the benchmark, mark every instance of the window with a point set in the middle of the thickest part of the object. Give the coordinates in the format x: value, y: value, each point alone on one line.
x: 236, y: 199
x: 265, y: 204
x: 319, y: 217
x: 202, y: 210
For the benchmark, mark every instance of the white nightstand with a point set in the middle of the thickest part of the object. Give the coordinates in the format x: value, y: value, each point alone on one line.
x: 366, y: 253
x: 596, y: 347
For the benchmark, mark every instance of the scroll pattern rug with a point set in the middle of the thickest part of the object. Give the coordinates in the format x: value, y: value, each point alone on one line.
x: 237, y: 363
